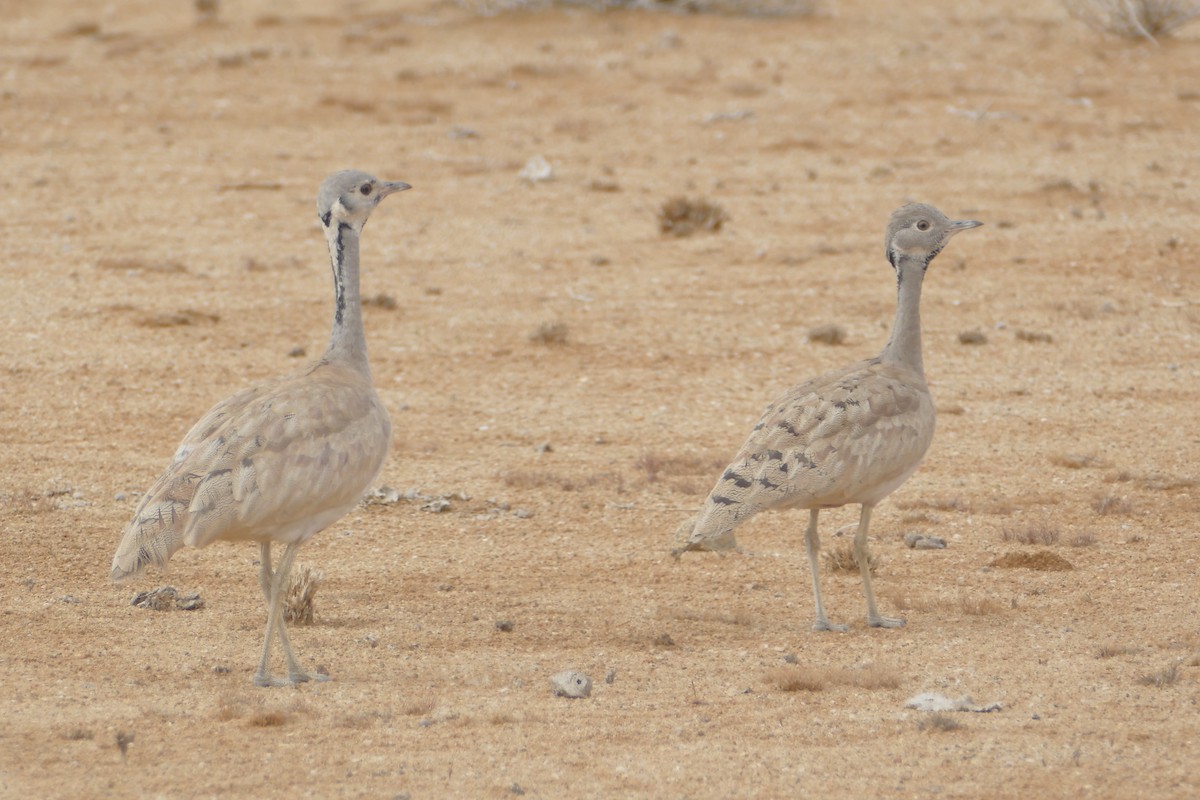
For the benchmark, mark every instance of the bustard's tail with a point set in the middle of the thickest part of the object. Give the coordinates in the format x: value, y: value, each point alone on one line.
x: 156, y: 530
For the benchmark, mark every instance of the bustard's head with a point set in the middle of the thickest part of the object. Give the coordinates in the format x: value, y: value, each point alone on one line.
x: 348, y: 198
x: 920, y: 231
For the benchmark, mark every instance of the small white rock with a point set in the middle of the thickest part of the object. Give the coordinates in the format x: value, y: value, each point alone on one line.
x: 571, y: 684
x: 537, y: 170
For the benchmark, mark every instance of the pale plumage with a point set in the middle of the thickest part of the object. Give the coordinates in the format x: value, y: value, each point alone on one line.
x: 282, y: 460
x: 849, y: 436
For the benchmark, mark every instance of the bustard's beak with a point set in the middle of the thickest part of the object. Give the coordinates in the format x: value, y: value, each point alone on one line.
x: 391, y: 187
x: 964, y: 224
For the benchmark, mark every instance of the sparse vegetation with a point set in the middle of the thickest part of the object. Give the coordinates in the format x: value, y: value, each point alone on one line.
x: 1085, y: 539
x: 1113, y: 650
x: 1075, y: 460
x: 552, y: 333
x: 747, y: 7
x: 420, y: 708
x: 681, y: 216
x: 843, y: 559
x: 926, y: 602
x: 381, y: 300
x: 1033, y: 534
x: 797, y: 678
x: 266, y: 719
x: 302, y: 590
x: 938, y: 722
x: 1111, y: 505
x: 1148, y: 19
x: 1164, y: 677
x: 829, y: 333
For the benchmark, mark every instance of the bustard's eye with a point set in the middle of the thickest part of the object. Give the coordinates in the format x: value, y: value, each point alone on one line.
x: 366, y: 188
x: 922, y: 225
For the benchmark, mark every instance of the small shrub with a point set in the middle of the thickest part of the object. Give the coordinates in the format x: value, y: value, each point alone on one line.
x: 550, y: 333
x: 1111, y: 505
x: 1162, y: 678
x: 843, y: 559
x: 1030, y: 534
x: 681, y: 217
x: 938, y: 722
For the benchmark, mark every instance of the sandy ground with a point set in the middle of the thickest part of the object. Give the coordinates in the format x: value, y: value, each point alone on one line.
x: 161, y: 251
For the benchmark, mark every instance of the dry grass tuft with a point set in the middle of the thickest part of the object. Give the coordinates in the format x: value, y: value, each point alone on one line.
x: 1166, y: 677
x: 1085, y: 539
x: 927, y: 602
x: 843, y: 559
x: 1108, y: 505
x: 1113, y: 650
x: 1076, y: 460
x: 267, y: 719
x: 420, y: 708
x: 657, y: 465
x: 1034, y: 534
x: 302, y: 590
x: 938, y: 722
x: 681, y: 217
x: 79, y: 735
x: 550, y: 333
x: 752, y: 8
x: 382, y: 300
x: 1134, y: 19
x: 796, y: 678
x: 829, y: 333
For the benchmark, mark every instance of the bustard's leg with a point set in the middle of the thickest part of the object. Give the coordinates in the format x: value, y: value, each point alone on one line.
x: 264, y: 571
x: 813, y: 545
x: 275, y: 623
x: 863, y: 557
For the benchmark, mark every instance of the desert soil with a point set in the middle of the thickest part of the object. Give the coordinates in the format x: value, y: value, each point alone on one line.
x: 571, y: 382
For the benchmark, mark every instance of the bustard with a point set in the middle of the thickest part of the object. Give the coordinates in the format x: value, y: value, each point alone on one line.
x: 849, y: 436
x: 282, y: 460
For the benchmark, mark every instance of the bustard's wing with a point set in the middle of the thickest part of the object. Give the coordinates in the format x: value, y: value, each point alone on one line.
x: 850, y: 436
x: 279, y: 461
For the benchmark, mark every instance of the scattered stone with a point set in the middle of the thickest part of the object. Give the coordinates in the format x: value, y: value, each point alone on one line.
x: 536, y: 170
x: 829, y: 333
x: 932, y: 701
x: 522, y: 513
x: 919, y: 541
x: 386, y: 496
x: 463, y: 132
x: 974, y: 336
x: 610, y: 676
x: 166, y: 598
x: 119, y: 497
x: 220, y: 669
x: 571, y: 684
x: 664, y: 640
x: 504, y: 625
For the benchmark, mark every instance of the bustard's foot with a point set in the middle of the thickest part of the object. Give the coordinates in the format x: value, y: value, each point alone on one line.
x: 885, y: 622
x: 303, y: 677
x: 826, y: 625
x: 267, y: 681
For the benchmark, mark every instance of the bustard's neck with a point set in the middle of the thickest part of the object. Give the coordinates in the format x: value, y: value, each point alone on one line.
x: 904, y: 346
x: 347, y: 342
